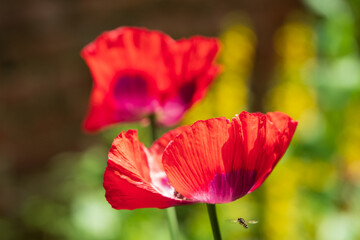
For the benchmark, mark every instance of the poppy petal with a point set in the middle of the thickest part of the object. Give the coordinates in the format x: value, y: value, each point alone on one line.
x: 279, y: 132
x: 216, y: 161
x: 194, y: 69
x: 193, y: 158
x: 129, y: 72
x: 157, y: 148
x: 127, y: 178
x: 155, y: 152
x: 138, y: 72
x: 198, y: 63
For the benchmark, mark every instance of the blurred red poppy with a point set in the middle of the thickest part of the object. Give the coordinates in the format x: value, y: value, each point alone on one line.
x: 138, y: 72
x: 212, y: 161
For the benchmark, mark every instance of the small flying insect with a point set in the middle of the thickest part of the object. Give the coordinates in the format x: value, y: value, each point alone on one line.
x: 242, y: 222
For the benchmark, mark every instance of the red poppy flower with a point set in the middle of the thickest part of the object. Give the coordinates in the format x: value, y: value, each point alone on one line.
x: 212, y: 161
x: 138, y: 72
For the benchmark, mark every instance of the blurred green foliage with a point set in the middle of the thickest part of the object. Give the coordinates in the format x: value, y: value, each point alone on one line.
x: 312, y: 194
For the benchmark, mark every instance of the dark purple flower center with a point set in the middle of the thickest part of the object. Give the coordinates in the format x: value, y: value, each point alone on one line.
x: 132, y: 96
x: 131, y: 88
x: 186, y: 92
x: 227, y: 187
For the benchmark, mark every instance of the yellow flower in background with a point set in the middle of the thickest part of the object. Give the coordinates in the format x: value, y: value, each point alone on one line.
x: 295, y: 45
x: 281, y: 212
x: 350, y: 142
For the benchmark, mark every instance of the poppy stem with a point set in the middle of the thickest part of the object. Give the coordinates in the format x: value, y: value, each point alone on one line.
x: 214, y: 221
x: 173, y: 223
x: 153, y: 127
x: 171, y: 211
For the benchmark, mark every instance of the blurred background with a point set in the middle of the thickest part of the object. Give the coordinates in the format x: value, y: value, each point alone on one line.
x: 300, y: 57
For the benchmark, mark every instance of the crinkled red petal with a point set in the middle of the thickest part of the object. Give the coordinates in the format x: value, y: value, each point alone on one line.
x: 115, y: 59
x: 280, y: 129
x: 216, y: 161
x: 193, y: 69
x: 138, y: 72
x: 198, y: 65
x: 127, y: 179
x: 123, y: 192
x: 130, y: 49
x: 193, y: 158
x: 158, y: 147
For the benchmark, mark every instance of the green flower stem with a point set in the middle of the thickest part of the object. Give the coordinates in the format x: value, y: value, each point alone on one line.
x: 173, y: 223
x: 214, y: 221
x: 170, y: 212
